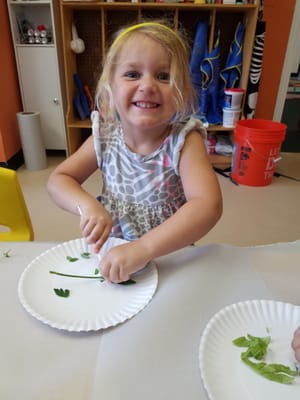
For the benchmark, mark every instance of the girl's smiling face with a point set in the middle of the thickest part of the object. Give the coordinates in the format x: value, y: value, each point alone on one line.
x: 141, y: 88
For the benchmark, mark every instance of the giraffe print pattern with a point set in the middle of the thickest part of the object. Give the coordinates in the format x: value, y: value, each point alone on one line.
x: 139, y: 192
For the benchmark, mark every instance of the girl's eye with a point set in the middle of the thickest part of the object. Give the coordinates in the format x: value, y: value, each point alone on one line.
x: 164, y: 76
x: 132, y: 74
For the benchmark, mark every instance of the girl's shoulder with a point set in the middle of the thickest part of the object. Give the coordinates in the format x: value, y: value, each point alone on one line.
x: 180, y: 130
x: 185, y: 127
x: 102, y: 129
x: 178, y: 135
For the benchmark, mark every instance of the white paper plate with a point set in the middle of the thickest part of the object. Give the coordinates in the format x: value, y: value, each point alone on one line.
x: 224, y: 375
x: 92, y: 305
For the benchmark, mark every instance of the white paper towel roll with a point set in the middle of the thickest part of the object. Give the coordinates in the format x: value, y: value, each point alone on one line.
x: 32, y: 140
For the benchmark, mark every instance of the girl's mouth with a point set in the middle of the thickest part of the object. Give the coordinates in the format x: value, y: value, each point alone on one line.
x: 143, y: 104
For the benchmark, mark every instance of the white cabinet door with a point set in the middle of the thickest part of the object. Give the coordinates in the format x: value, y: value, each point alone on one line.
x: 40, y: 89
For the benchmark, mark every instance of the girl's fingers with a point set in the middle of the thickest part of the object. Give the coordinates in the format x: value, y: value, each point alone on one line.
x: 100, y: 242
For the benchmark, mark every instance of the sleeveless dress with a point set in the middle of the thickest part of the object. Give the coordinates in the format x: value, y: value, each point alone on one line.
x: 139, y: 192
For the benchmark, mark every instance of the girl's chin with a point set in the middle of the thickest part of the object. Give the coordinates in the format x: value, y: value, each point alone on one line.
x: 146, y: 121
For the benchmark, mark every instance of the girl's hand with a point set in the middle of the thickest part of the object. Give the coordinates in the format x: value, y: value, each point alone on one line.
x: 296, y: 344
x: 121, y: 261
x: 95, y: 225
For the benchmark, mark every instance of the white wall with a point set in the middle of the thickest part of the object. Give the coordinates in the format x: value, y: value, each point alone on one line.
x: 291, y: 62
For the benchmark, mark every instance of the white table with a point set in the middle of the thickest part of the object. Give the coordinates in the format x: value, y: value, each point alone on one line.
x: 155, y: 354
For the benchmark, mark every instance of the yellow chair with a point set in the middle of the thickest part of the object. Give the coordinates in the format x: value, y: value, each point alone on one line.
x: 15, y: 222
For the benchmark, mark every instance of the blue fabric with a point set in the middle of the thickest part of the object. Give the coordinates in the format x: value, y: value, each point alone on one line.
x: 231, y: 74
x: 209, y: 68
x: 198, y: 53
x: 204, y: 69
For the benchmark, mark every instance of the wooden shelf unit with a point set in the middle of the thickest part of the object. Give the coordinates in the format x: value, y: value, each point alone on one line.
x: 97, y: 21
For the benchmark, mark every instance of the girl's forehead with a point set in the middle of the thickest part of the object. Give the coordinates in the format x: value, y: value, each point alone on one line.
x: 142, y: 44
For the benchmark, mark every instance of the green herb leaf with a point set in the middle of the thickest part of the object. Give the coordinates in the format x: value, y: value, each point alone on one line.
x: 85, y: 255
x: 62, y: 292
x: 128, y: 282
x: 72, y: 259
x: 257, y: 348
x: 96, y: 272
x: 99, y: 277
x: 241, y: 341
x: 76, y: 276
x: 274, y: 372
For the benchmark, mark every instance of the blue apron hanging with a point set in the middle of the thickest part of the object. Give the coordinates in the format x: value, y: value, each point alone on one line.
x: 198, y: 53
x: 210, y: 66
x: 231, y: 74
x: 204, y: 69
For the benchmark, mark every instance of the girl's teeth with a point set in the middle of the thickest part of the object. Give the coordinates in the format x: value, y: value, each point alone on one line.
x: 146, y: 105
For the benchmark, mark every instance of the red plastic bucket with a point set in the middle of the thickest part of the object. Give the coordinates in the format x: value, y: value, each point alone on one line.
x: 257, y: 144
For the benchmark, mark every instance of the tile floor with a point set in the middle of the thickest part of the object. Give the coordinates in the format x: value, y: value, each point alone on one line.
x: 252, y: 215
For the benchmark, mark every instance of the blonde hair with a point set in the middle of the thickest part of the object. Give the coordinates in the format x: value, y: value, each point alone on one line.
x: 175, y: 46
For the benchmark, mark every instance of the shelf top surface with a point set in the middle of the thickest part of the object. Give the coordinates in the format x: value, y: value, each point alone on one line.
x: 26, y: 2
x: 166, y: 4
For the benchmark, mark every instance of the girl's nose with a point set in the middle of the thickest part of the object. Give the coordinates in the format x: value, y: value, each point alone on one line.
x: 147, y: 83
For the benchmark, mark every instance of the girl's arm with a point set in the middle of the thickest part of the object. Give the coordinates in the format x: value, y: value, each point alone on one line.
x: 64, y: 186
x: 203, y: 207
x: 191, y: 222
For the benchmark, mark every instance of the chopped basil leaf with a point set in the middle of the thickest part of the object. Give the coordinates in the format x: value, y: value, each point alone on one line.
x: 85, y: 255
x: 72, y: 259
x: 62, y: 292
x: 129, y: 282
x: 257, y: 348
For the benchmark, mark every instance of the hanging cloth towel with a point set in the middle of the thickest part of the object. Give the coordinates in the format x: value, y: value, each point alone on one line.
x: 198, y: 53
x: 210, y: 68
x: 231, y: 74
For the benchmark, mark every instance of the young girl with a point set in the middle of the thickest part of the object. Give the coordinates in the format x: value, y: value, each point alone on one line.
x: 296, y: 344
x: 159, y: 189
